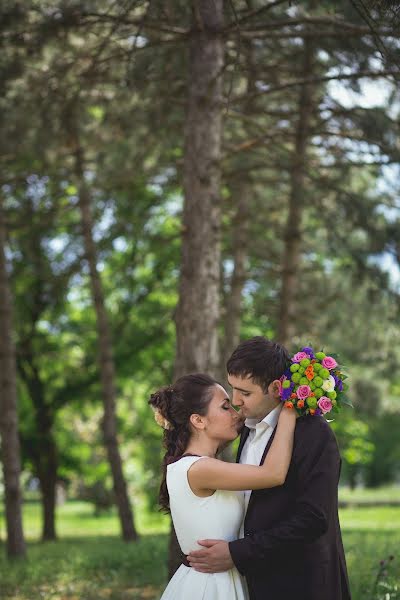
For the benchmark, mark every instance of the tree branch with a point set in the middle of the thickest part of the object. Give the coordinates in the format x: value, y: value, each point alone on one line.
x: 296, y: 82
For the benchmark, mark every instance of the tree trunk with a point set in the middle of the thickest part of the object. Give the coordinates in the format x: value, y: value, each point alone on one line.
x: 238, y: 278
x: 43, y: 451
x: 241, y: 195
x: 297, y: 200
x: 46, y: 456
x: 10, y: 447
x: 47, y: 474
x: 106, y: 361
x: 198, y: 308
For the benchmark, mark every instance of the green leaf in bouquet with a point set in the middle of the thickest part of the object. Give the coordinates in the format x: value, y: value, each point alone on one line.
x: 345, y: 400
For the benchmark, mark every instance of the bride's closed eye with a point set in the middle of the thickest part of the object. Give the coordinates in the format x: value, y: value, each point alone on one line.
x: 227, y: 405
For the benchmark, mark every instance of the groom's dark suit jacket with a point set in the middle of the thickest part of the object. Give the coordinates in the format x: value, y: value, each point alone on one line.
x: 292, y: 548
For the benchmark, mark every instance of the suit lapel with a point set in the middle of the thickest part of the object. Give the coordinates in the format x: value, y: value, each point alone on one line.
x: 267, y: 447
x: 243, y: 437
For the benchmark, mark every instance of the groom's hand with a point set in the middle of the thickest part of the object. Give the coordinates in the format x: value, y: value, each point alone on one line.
x: 213, y: 559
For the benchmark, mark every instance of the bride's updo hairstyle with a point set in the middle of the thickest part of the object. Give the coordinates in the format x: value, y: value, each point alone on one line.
x: 173, y: 405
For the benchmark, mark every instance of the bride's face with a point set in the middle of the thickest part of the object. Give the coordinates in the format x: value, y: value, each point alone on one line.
x: 221, y: 419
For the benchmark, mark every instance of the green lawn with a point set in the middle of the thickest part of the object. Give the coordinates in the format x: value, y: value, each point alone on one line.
x: 91, y: 563
x: 387, y: 494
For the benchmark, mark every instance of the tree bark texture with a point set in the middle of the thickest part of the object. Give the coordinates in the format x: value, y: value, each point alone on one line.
x: 297, y: 200
x: 10, y: 447
x: 198, y: 308
x: 238, y: 278
x: 106, y: 361
x: 198, y: 311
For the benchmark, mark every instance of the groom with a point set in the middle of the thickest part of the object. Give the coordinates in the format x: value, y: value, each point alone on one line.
x: 290, y: 546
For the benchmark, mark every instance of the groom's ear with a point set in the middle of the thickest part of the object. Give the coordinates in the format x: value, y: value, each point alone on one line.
x: 274, y: 389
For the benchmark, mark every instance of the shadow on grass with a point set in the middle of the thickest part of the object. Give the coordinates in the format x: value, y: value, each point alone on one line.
x: 88, y: 568
x: 106, y: 568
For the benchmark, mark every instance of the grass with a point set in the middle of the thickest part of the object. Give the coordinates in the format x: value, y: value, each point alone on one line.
x: 361, y: 496
x: 74, y: 517
x: 90, y: 562
x: 369, y: 536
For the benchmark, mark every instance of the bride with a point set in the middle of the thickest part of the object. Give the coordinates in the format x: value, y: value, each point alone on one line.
x: 203, y: 494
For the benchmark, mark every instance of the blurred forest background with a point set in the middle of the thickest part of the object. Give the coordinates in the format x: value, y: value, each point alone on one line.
x: 177, y: 176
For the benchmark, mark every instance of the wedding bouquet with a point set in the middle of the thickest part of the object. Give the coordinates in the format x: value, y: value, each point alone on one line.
x: 313, y: 384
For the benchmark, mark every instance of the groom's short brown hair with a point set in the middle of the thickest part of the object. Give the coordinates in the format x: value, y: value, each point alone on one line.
x: 259, y: 358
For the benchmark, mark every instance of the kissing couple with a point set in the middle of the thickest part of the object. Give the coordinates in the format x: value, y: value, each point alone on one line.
x: 267, y: 527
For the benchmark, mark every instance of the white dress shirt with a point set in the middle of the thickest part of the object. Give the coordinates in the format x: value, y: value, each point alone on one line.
x: 253, y: 449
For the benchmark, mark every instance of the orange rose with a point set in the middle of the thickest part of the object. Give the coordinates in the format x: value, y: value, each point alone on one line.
x: 289, y: 404
x: 300, y: 404
x: 312, y: 411
x: 293, y: 396
x: 309, y: 372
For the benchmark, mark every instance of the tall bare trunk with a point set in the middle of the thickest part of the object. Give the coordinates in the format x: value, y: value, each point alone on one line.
x: 43, y: 452
x: 240, y: 250
x: 297, y: 202
x: 106, y: 361
x: 10, y: 448
x: 241, y: 199
x: 198, y: 308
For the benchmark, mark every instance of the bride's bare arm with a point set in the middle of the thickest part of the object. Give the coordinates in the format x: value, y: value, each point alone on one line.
x: 214, y: 474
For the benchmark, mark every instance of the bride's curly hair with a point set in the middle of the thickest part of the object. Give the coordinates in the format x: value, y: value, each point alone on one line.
x: 190, y: 394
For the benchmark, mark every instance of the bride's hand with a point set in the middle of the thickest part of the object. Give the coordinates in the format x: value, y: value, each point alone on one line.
x: 288, y: 414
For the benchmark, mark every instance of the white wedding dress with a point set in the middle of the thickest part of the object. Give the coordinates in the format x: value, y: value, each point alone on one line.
x: 216, y: 517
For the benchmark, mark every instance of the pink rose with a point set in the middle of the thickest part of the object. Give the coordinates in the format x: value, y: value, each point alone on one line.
x: 325, y: 404
x: 299, y: 356
x: 329, y: 363
x: 303, y: 392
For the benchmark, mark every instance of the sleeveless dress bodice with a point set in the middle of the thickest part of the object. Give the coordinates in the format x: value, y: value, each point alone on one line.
x: 214, y: 517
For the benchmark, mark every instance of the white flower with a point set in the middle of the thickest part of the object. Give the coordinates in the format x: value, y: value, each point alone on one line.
x: 162, y: 421
x: 329, y: 384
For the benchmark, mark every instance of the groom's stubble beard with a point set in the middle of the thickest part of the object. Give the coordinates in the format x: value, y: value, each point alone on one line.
x: 268, y: 406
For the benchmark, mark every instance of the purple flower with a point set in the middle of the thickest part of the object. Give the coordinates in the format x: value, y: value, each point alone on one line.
x: 286, y: 392
x: 338, y: 383
x: 318, y: 412
x: 308, y: 350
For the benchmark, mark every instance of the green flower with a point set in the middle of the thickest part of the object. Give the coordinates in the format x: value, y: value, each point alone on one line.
x: 312, y: 402
x: 312, y: 385
x: 318, y: 392
x: 294, y: 367
x: 318, y: 381
x: 324, y: 373
x: 302, y: 370
x: 296, y: 377
x: 305, y: 362
x: 317, y: 367
x: 304, y: 381
x: 332, y: 395
x: 320, y: 355
x: 286, y: 383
